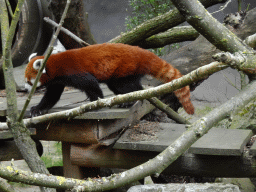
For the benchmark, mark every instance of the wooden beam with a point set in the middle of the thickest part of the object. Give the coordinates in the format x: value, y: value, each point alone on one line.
x: 74, y: 171
x: 74, y: 130
x: 187, y: 164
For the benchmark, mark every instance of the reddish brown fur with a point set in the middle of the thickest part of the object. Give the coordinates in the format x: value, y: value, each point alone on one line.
x: 111, y: 60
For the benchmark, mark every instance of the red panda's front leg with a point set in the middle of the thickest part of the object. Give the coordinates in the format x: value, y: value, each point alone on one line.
x: 50, y: 98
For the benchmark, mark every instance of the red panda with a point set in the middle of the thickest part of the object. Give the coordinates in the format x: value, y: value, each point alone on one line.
x: 120, y: 66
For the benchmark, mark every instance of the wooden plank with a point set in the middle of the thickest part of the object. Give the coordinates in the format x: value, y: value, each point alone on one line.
x: 6, y: 134
x: 90, y: 131
x: 73, y: 171
x: 222, y: 142
x: 187, y: 164
x: 165, y: 134
x: 74, y: 130
x: 215, y: 142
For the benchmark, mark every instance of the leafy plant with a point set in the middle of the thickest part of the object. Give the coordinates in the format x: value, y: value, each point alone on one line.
x: 143, y: 10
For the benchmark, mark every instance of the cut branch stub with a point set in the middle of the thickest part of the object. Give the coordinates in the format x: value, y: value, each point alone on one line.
x: 245, y: 62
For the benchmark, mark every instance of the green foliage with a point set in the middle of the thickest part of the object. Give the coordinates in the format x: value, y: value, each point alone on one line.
x: 53, y: 157
x: 49, y: 162
x: 147, y: 9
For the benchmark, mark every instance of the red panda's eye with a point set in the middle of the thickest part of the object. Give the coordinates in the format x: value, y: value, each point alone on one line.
x: 29, y: 83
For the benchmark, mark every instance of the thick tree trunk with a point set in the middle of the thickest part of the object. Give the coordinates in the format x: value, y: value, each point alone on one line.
x: 76, y: 22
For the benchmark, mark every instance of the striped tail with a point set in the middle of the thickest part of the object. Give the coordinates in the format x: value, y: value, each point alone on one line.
x: 168, y: 73
x: 183, y: 95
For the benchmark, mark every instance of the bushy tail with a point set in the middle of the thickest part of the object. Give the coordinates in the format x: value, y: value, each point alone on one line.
x: 167, y: 73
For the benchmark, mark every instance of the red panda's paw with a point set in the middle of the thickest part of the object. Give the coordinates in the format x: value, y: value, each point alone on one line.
x: 34, y: 111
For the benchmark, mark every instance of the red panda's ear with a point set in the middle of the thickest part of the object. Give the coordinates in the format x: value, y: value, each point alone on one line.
x: 32, y: 56
x: 37, y: 64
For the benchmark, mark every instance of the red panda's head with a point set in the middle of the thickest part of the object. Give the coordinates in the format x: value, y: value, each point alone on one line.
x: 31, y: 73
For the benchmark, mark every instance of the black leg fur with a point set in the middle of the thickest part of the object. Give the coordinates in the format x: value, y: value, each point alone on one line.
x: 87, y: 83
x: 50, y: 98
x: 125, y: 85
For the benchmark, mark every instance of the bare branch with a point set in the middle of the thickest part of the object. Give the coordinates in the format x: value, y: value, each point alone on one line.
x: 199, y: 18
x: 222, y: 7
x: 251, y: 40
x: 64, y: 30
x: 234, y: 60
x: 5, y: 186
x: 195, y: 75
x: 169, y: 111
x: 9, y: 8
x: 174, y: 35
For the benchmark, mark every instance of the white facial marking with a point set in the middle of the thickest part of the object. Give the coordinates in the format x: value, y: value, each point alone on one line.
x: 33, y: 81
x: 31, y: 56
x: 37, y: 64
x: 28, y: 87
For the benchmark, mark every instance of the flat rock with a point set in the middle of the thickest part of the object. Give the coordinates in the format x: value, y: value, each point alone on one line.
x: 191, y: 187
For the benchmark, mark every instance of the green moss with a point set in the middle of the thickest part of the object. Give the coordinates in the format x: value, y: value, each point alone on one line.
x: 204, y: 110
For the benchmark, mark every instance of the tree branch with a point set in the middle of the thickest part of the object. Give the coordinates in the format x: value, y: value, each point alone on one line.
x: 174, y: 35
x: 169, y: 112
x: 242, y: 61
x: 66, y: 31
x: 156, y: 25
x: 9, y: 8
x: 199, y: 18
x: 20, y: 133
x: 5, y: 187
x: 251, y: 40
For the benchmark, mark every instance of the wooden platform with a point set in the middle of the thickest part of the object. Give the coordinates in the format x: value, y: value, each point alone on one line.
x: 216, y: 142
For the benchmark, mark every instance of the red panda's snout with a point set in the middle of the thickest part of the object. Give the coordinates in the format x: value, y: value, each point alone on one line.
x: 29, y: 84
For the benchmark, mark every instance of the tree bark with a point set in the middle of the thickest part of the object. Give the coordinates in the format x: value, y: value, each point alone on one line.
x: 20, y: 133
x: 76, y: 22
x: 174, y: 35
x: 199, y: 18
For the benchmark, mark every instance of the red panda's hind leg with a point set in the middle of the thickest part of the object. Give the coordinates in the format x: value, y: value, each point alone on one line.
x: 87, y: 83
x: 125, y: 85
